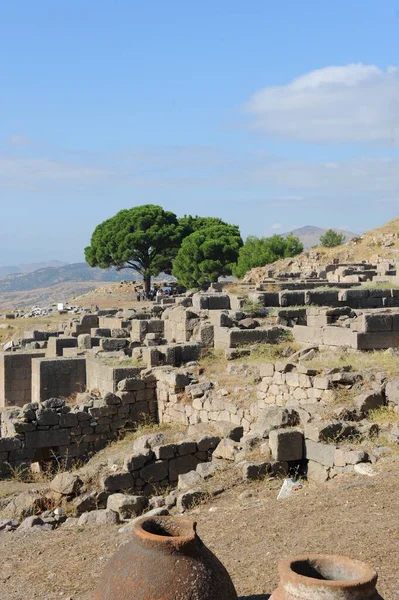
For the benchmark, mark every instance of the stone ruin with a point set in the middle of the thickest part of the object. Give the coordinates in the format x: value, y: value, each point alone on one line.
x: 69, y: 393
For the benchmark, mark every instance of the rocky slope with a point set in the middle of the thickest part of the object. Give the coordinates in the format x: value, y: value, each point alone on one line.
x: 374, y: 246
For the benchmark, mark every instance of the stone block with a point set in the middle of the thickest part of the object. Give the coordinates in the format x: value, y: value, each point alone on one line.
x: 323, y: 454
x: 186, y: 448
x: 286, y: 444
x: 165, y: 451
x: 321, y: 297
x: 51, y: 438
x: 189, y: 480
x: 369, y: 401
x: 317, y: 472
x: 392, y: 391
x: 189, y: 499
x: 292, y: 298
x: 376, y: 322
x: 111, y: 344
x: 227, y: 449
x: 117, y: 482
x: 251, y: 471
x: 266, y: 370
x: 127, y: 505
x: 377, y: 340
x: 155, y: 472
x: 180, y: 465
x: 207, y: 443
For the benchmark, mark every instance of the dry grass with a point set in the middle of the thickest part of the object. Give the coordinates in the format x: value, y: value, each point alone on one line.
x: 385, y: 415
x: 376, y: 360
x: 16, y: 327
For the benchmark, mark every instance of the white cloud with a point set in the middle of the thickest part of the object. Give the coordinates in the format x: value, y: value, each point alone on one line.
x: 354, y: 103
x: 21, y: 172
x: 377, y: 177
x: 276, y: 226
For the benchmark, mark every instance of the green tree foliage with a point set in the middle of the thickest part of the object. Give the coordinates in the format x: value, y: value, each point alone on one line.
x: 331, y: 239
x: 144, y: 238
x: 207, y: 254
x: 189, y: 224
x: 258, y: 252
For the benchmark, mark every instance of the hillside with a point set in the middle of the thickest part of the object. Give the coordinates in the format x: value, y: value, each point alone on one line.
x: 50, y: 276
x: 310, y: 235
x: 29, y: 267
x: 374, y: 246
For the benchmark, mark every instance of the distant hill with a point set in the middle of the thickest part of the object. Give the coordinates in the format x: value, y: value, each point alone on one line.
x: 50, y: 276
x: 29, y: 267
x: 310, y: 235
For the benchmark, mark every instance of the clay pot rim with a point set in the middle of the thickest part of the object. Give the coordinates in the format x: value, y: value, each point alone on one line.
x: 367, y: 575
x: 186, y: 526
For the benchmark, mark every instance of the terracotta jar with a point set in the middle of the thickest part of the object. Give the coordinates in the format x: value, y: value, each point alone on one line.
x: 325, y: 577
x: 165, y: 560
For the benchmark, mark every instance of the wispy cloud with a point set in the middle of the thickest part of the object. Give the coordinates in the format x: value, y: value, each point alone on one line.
x: 276, y: 226
x: 351, y: 103
x: 26, y: 172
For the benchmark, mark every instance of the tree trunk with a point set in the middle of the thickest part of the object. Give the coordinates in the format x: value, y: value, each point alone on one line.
x: 147, y: 284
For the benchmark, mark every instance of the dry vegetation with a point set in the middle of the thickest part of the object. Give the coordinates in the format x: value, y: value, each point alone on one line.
x: 376, y: 360
x: 351, y: 516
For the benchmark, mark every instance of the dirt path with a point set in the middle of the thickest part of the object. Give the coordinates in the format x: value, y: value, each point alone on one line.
x: 359, y: 519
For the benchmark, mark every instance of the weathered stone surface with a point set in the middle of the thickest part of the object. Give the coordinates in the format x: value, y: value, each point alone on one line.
x: 228, y: 430
x: 23, y: 505
x: 51, y: 438
x: 180, y: 465
x: 189, y: 499
x: 189, y: 480
x: 33, y: 523
x: 317, y: 472
x: 208, y: 442
x: 286, y: 444
x: 208, y: 469
x: 127, y: 505
x: 369, y: 401
x: 155, y: 472
x: 66, y: 484
x: 274, y: 418
x: 131, y: 385
x: 186, y: 448
x: 115, y: 482
x: 148, y: 441
x: 227, y: 449
x: 255, y: 470
x: 392, y: 391
x: 99, y: 517
x: 347, y: 456
x: 323, y: 454
x: 134, y: 461
x: 84, y: 341
x: 165, y: 451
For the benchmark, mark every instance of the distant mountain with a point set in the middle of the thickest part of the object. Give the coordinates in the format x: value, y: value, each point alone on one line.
x: 49, y: 276
x: 30, y: 267
x: 310, y: 235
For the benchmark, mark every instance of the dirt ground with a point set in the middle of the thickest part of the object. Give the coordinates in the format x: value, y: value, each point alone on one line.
x: 356, y: 516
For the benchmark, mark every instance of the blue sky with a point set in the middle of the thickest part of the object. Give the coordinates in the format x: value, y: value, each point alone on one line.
x: 272, y: 115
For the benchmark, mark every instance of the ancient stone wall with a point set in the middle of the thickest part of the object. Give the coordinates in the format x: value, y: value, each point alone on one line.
x: 59, y: 378
x: 16, y: 377
x: 40, y: 430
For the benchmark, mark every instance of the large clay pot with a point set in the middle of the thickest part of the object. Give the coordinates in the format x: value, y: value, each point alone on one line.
x: 325, y: 577
x: 165, y: 560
